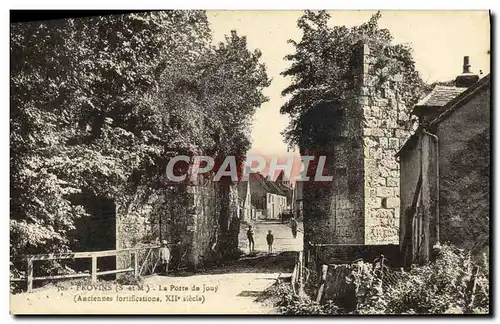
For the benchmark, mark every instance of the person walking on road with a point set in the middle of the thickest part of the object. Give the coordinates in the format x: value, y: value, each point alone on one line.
x: 250, y: 236
x: 270, y: 240
x: 293, y: 225
x: 164, y: 257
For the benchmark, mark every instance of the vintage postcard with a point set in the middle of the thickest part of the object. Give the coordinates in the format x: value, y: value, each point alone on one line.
x: 250, y: 162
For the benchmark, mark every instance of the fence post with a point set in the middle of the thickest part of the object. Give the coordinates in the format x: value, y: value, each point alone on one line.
x: 471, y: 287
x: 136, y: 265
x: 324, y: 271
x: 94, y: 268
x: 294, y: 277
x: 382, y: 269
x: 29, y: 271
x: 301, y: 274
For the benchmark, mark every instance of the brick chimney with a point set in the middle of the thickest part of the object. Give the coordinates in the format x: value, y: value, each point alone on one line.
x: 467, y: 78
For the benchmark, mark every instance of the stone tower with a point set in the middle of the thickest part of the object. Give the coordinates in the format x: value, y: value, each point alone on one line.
x: 361, y: 205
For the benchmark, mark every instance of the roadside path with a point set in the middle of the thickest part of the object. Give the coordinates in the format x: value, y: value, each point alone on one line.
x: 228, y: 289
x: 283, y: 239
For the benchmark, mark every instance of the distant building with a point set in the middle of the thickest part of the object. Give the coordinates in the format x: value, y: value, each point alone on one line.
x: 444, y: 184
x: 297, y: 203
x: 285, y: 186
x: 269, y: 198
x: 246, y: 210
x: 283, y: 180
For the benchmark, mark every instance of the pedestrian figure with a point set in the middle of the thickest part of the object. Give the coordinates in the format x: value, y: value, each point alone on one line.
x: 293, y: 225
x: 251, y: 242
x: 270, y: 240
x: 164, y: 258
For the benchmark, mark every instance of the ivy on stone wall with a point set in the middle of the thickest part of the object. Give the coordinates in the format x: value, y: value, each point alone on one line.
x: 322, y: 68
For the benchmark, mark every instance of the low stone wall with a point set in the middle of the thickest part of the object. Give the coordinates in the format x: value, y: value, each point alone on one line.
x: 197, y: 221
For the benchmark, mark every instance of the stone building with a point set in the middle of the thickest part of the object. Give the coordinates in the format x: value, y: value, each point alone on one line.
x: 297, y: 204
x: 267, y: 196
x: 359, y: 137
x: 445, y: 170
x: 246, y: 210
x: 283, y: 180
x: 285, y: 187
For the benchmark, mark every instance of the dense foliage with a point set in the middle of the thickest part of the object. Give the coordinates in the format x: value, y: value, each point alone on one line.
x: 99, y: 105
x: 290, y: 304
x: 322, y: 68
x: 456, y: 283
x: 444, y: 286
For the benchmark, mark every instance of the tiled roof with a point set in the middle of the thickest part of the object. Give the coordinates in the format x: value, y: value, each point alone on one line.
x: 440, y: 96
x: 453, y: 104
x: 259, y: 179
x: 267, y: 185
x: 282, y: 177
x: 278, y: 188
x: 481, y: 85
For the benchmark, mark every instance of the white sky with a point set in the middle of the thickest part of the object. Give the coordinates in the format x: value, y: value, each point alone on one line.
x: 440, y: 39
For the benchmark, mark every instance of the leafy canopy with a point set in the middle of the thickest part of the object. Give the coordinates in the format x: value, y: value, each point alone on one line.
x: 99, y: 105
x: 321, y: 67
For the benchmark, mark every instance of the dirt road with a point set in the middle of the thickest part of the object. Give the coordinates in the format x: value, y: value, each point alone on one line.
x: 283, y: 239
x: 230, y: 289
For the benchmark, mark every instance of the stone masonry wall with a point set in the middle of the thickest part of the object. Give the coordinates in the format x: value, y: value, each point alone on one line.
x: 464, y: 169
x: 333, y: 211
x: 135, y: 223
x: 348, y: 181
x: 203, y: 227
x: 187, y: 217
x: 383, y: 135
x: 361, y: 204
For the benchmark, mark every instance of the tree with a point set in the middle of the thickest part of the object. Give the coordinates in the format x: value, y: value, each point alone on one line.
x: 100, y: 105
x: 233, y: 80
x: 81, y: 111
x: 41, y: 86
x: 321, y: 68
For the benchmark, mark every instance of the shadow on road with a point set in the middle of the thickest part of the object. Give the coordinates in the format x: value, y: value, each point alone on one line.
x: 250, y: 293
x: 250, y: 263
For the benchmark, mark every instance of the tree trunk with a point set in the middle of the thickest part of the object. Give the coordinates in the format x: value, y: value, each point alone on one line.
x: 229, y: 223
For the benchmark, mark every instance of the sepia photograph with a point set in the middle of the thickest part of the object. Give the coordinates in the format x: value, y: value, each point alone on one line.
x: 250, y: 162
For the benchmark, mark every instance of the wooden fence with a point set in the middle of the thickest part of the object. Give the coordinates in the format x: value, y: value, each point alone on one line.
x: 149, y: 262
x: 298, y: 275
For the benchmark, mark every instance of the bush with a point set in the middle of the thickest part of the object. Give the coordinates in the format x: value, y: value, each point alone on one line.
x: 442, y: 287
x: 306, y: 306
x: 128, y: 279
x: 290, y: 304
x: 438, y: 288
